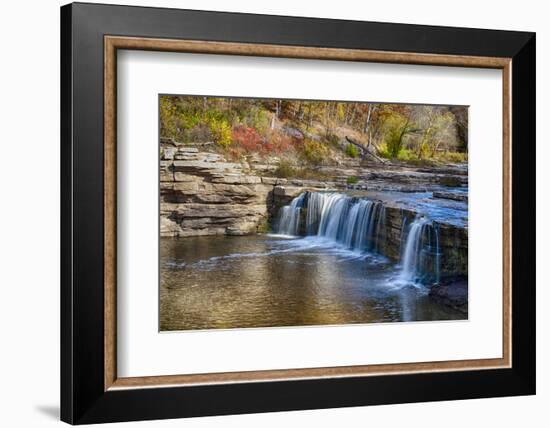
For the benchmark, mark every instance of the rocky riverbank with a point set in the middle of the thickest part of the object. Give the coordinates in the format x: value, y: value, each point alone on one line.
x: 201, y: 193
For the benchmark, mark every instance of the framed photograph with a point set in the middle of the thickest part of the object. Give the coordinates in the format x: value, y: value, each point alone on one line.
x: 266, y: 213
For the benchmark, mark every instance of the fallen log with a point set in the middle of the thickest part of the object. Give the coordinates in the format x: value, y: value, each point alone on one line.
x: 365, y: 151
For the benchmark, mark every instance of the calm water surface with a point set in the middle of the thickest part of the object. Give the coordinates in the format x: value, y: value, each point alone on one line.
x: 268, y: 281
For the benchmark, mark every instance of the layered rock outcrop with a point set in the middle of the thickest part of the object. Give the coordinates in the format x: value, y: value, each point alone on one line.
x: 452, y: 240
x: 203, y: 194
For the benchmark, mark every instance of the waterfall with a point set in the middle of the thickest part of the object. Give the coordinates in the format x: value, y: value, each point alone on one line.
x: 289, y: 220
x: 357, y: 224
x: 421, y: 254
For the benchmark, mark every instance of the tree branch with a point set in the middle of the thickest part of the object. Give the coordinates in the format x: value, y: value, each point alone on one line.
x: 365, y: 151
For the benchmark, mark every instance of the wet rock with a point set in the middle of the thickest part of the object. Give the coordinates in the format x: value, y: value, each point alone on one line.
x: 454, y: 294
x: 287, y: 193
x: 451, y: 180
x: 451, y: 195
x: 453, y: 240
x: 245, y: 228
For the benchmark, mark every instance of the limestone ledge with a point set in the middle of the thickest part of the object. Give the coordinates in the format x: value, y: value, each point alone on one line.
x: 203, y: 194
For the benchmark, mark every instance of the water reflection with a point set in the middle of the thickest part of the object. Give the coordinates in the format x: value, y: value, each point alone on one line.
x: 266, y: 281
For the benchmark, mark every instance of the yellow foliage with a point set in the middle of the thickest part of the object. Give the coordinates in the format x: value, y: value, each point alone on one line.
x: 314, y: 151
x: 167, y: 118
x: 221, y: 130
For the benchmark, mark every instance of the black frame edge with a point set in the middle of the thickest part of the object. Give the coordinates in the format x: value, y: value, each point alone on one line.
x: 524, y: 213
x: 298, y: 30
x: 66, y: 316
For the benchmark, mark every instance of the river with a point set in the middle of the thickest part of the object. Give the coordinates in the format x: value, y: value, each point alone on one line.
x: 218, y: 282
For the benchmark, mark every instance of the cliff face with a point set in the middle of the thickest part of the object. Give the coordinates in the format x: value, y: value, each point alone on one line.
x: 203, y: 194
x: 453, y: 241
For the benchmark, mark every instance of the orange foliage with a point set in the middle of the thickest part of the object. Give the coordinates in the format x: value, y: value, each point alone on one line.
x: 247, y: 139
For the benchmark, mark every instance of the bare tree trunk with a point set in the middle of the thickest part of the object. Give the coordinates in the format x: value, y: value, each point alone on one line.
x: 368, y: 127
x: 298, y: 111
x: 425, y: 137
x: 353, y: 114
x: 346, y: 114
x: 277, y: 113
x: 404, y: 131
x: 435, y: 147
x: 310, y: 117
x: 365, y: 150
x: 327, y: 118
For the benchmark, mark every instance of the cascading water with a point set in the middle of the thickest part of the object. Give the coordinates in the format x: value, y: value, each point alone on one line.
x: 357, y: 224
x: 421, y: 254
x: 289, y: 220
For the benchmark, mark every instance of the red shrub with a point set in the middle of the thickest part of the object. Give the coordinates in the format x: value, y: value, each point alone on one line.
x: 281, y: 143
x: 247, y: 138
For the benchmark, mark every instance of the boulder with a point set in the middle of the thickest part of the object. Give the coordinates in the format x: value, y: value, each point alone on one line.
x: 453, y: 294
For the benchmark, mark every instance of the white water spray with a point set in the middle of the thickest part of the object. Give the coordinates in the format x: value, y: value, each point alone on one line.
x: 421, y: 255
x: 356, y: 224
